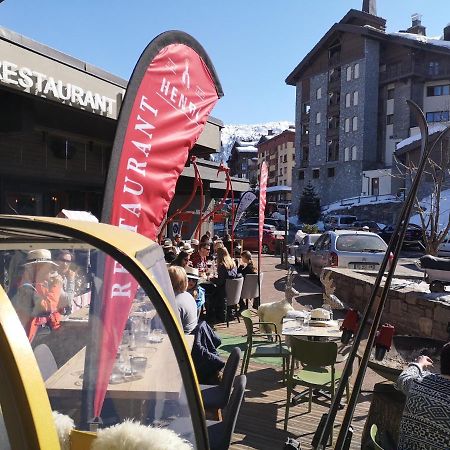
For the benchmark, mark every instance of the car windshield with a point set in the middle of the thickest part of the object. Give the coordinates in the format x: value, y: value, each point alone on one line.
x: 360, y: 243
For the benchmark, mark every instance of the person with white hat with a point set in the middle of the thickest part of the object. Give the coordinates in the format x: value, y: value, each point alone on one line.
x: 169, y: 252
x: 194, y: 243
x: 186, y: 247
x: 38, y: 296
x: 193, y: 288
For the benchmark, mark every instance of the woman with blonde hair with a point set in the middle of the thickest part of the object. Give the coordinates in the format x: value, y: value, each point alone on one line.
x: 186, y: 305
x: 226, y: 269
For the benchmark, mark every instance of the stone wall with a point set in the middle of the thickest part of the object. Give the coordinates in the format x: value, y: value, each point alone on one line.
x: 411, y: 312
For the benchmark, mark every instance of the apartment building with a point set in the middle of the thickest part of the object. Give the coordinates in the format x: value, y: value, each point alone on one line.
x: 279, y: 152
x: 351, y: 110
x: 243, y: 160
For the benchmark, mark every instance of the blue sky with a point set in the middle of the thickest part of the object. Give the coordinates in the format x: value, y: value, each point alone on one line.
x: 254, y: 44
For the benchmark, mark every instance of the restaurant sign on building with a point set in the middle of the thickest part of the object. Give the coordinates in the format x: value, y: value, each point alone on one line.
x: 38, y: 83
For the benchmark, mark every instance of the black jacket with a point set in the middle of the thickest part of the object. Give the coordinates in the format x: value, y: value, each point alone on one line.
x: 206, y: 359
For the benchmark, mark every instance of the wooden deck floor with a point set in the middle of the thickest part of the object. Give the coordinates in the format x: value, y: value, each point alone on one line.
x: 261, y: 420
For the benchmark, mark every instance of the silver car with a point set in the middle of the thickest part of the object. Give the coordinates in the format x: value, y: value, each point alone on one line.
x: 350, y: 249
x: 302, y: 249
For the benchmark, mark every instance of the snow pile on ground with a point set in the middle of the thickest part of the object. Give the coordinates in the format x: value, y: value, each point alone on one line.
x: 246, y: 133
x: 417, y: 286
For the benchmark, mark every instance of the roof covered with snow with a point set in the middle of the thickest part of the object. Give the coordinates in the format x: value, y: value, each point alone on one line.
x: 423, y: 39
x: 279, y: 189
x: 373, y: 30
x: 242, y: 135
x: 432, y: 129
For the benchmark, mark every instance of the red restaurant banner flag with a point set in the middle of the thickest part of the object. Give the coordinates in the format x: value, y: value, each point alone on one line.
x: 169, y: 97
x: 262, y: 203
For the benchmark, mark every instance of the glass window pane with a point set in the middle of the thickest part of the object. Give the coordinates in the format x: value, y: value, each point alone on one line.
x: 55, y: 293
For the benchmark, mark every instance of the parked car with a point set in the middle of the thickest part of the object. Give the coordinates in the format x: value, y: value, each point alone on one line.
x: 370, y: 224
x: 351, y: 249
x: 271, y: 242
x: 338, y: 222
x: 278, y: 224
x: 256, y: 225
x: 444, y: 248
x: 413, y: 235
x: 302, y: 249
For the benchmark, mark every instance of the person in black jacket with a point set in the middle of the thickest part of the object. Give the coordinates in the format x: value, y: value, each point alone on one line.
x: 247, y: 264
x: 226, y: 269
x: 245, y: 269
x: 207, y: 361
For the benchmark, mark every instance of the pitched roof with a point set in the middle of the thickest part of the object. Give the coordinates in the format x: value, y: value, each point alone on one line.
x: 351, y: 23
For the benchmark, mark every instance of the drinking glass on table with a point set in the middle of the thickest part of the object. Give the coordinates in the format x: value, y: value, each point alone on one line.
x: 307, y: 318
x: 300, y: 321
x: 308, y: 309
x: 329, y: 309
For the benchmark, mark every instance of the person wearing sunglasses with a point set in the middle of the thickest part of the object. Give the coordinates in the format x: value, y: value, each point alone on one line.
x: 64, y: 260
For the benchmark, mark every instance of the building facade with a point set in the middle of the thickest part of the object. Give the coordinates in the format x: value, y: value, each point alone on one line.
x: 243, y: 160
x: 351, y: 109
x: 279, y: 152
x: 57, y: 128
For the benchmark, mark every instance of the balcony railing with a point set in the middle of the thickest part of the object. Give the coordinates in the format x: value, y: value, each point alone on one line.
x: 410, y: 68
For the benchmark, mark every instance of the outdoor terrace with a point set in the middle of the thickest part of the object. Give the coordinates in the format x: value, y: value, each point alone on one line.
x: 261, y: 420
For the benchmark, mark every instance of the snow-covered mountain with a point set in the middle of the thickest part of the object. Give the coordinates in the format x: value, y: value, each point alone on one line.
x: 246, y: 133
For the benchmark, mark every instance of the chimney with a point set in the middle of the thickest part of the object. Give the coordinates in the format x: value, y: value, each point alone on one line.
x: 447, y: 33
x: 370, y: 7
x: 416, y: 26
x: 269, y: 132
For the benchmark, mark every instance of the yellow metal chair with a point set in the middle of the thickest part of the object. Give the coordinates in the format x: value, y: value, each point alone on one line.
x: 263, y: 344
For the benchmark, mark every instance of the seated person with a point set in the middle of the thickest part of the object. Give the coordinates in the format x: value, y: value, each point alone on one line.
x: 37, y: 300
x: 186, y: 305
x: 246, y: 265
x: 227, y: 242
x: 426, y: 416
x: 207, y: 361
x: 194, y: 244
x: 169, y: 252
x: 176, y: 243
x: 198, y: 258
x: 226, y: 269
x: 182, y: 259
x: 196, y: 291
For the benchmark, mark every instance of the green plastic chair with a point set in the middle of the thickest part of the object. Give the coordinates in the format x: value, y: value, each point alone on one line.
x: 317, y: 370
x: 373, y: 435
x: 263, y: 344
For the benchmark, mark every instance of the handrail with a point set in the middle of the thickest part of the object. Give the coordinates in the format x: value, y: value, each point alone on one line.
x: 198, y: 183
